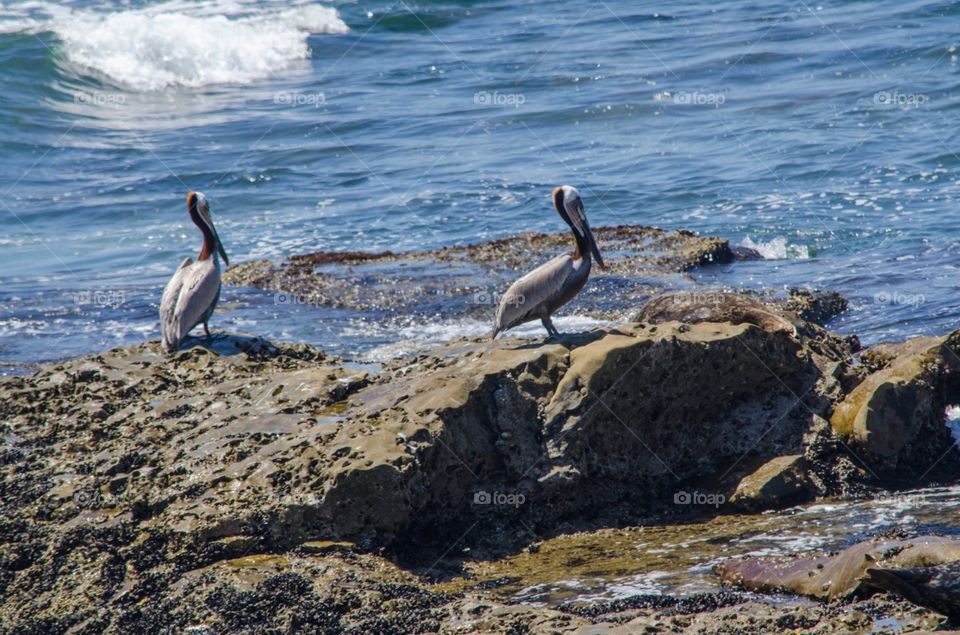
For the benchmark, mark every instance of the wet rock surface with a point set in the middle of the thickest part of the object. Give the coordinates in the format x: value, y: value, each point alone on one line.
x: 924, y: 570
x: 232, y: 485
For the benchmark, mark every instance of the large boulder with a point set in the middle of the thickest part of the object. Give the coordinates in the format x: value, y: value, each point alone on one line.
x: 893, y: 422
x: 558, y: 431
x: 649, y: 405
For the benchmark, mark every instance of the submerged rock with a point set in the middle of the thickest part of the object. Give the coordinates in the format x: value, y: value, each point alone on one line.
x: 838, y: 575
x: 814, y: 305
x: 468, y: 280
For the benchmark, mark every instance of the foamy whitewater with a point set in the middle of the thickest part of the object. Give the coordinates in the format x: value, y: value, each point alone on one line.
x: 953, y: 421
x: 184, y: 43
x: 410, y: 336
x: 776, y: 249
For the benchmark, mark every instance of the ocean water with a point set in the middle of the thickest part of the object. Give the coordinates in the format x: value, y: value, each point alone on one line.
x: 822, y: 134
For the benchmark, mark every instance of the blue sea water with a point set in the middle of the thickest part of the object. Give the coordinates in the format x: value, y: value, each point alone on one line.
x: 822, y: 134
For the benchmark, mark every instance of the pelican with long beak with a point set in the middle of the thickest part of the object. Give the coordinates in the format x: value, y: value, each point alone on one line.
x: 551, y: 285
x: 192, y: 293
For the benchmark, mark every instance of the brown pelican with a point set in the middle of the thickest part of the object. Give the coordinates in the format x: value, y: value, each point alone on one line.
x: 192, y: 293
x: 548, y: 287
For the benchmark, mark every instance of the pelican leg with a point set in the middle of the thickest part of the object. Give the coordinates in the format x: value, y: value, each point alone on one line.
x: 548, y: 324
x: 206, y: 329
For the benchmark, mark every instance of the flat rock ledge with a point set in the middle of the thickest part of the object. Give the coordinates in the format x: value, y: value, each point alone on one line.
x: 124, y: 472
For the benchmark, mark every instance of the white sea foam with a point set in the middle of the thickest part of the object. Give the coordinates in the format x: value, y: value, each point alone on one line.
x: 21, y: 16
x: 413, y: 337
x: 777, y: 249
x: 652, y: 583
x: 10, y: 24
x: 953, y: 421
x: 178, y: 43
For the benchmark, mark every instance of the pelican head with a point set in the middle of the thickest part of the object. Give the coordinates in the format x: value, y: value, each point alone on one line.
x: 569, y: 205
x: 199, y: 210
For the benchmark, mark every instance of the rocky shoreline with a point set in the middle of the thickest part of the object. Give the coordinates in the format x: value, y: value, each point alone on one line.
x: 248, y: 486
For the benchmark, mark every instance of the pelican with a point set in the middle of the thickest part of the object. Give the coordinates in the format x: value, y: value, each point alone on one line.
x: 192, y: 293
x: 551, y: 285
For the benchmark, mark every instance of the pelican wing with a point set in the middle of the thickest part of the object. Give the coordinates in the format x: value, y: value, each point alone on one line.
x: 540, y: 292
x: 168, y: 305
x: 201, y: 290
x: 198, y: 292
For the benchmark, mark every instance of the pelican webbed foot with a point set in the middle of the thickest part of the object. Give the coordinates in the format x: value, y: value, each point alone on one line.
x: 551, y: 329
